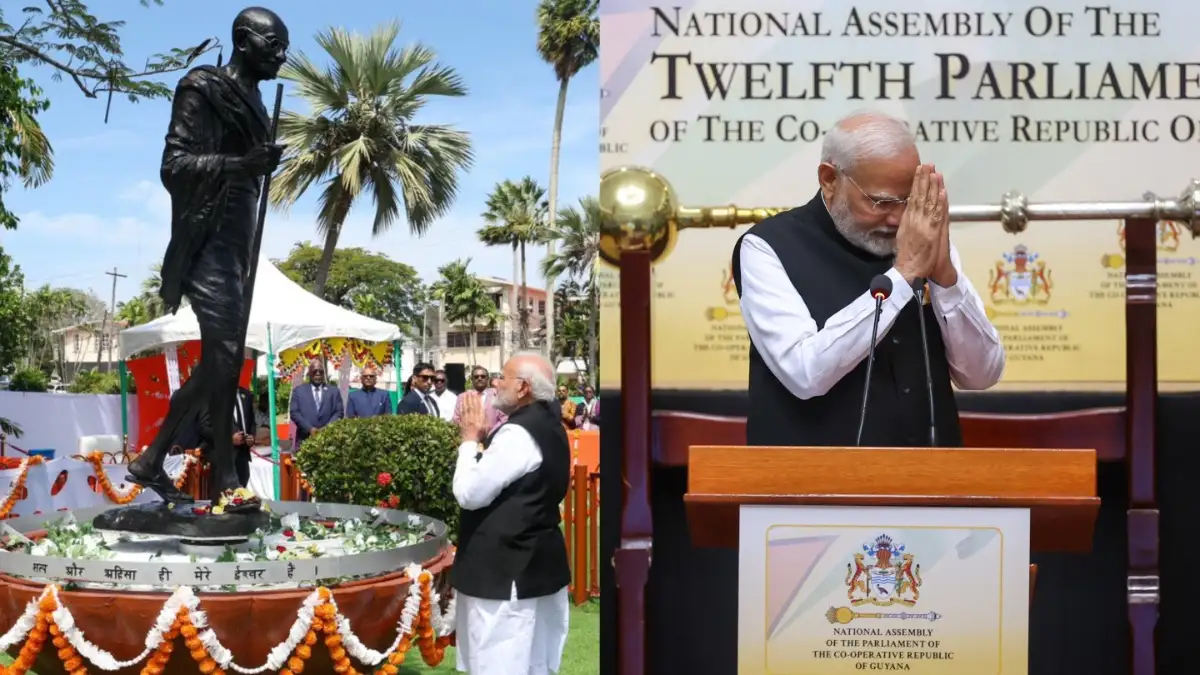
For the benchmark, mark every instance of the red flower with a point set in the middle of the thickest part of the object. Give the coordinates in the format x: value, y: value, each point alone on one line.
x: 288, y: 533
x: 393, y: 501
x: 384, y: 479
x: 199, y: 510
x: 237, y: 501
x: 281, y: 549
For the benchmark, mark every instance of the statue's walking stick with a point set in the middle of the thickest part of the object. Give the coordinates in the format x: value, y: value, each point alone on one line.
x: 263, y: 198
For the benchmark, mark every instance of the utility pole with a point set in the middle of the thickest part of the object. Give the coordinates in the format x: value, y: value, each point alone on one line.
x: 112, y: 311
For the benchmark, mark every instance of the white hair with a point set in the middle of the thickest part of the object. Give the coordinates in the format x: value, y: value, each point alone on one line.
x: 865, y: 135
x: 537, y: 371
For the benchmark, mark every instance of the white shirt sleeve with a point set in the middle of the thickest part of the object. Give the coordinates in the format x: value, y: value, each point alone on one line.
x: 973, y: 346
x: 511, y: 454
x: 806, y: 360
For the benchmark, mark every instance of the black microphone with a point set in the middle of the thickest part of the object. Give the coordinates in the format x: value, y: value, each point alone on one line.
x: 919, y: 292
x: 881, y: 288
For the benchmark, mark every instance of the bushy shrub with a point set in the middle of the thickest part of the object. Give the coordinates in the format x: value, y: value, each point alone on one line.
x: 96, y: 382
x: 405, y: 461
x: 29, y: 379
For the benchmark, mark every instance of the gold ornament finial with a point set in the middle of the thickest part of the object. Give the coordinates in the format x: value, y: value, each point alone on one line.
x: 637, y: 210
x: 640, y: 211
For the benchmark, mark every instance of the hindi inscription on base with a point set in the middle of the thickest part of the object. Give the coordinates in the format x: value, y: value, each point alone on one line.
x: 837, y: 590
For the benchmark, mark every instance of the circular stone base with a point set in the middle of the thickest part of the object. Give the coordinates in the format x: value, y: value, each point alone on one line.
x: 248, y: 623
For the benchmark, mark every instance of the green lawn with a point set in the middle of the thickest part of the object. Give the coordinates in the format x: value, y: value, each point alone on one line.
x: 582, y: 655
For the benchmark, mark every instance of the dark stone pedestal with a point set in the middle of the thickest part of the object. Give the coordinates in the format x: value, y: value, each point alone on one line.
x: 181, y: 521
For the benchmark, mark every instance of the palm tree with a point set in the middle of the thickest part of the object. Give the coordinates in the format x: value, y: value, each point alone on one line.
x: 36, y: 164
x: 149, y: 295
x: 516, y: 217
x: 134, y: 312
x: 360, y: 135
x: 464, y: 299
x: 578, y: 229
x: 569, y: 40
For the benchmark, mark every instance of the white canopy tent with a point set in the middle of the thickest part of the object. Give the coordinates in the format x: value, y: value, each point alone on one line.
x: 283, y: 315
x: 294, y: 315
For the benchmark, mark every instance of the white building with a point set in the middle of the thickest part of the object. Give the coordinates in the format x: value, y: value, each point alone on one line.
x: 87, y: 346
x: 451, y: 343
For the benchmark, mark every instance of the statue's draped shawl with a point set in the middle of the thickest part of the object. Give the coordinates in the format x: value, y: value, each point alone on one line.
x: 212, y: 119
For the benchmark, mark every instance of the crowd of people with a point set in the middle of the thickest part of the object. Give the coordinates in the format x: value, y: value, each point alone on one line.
x: 425, y: 393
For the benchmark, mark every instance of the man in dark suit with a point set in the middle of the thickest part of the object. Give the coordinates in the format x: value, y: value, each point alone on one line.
x: 243, y: 434
x: 314, y: 405
x: 418, y: 401
x: 369, y: 401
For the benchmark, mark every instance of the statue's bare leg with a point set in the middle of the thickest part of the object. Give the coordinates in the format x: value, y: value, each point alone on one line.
x: 146, y: 469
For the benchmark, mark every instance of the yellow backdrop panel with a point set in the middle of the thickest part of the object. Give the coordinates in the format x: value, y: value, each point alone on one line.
x: 727, y: 99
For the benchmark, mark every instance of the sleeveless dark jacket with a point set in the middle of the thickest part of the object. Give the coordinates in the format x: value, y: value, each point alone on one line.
x: 830, y: 273
x: 516, y: 538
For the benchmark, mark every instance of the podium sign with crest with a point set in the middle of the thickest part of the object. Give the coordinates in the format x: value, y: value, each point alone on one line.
x: 838, y: 590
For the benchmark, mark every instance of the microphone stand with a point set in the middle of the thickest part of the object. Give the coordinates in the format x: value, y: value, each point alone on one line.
x: 919, y: 292
x: 862, y: 418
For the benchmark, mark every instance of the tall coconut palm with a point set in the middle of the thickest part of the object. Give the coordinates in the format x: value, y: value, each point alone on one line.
x: 516, y: 216
x: 569, y: 40
x: 360, y: 135
x: 578, y: 230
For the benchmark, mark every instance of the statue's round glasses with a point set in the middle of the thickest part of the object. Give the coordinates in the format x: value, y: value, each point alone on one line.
x: 273, y: 43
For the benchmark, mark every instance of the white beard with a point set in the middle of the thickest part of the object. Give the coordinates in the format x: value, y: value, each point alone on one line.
x: 843, y: 220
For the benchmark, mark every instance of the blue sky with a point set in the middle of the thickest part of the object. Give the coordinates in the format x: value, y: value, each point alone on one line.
x: 106, y: 208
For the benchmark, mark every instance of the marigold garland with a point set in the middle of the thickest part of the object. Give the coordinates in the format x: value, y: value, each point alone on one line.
x: 327, y: 626
x: 304, y: 484
x: 18, y: 487
x: 96, y: 458
x: 162, y: 654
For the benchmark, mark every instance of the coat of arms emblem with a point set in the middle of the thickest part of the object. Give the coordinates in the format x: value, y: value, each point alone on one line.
x: 883, y: 574
x: 1021, y: 278
x: 1167, y: 235
x: 729, y: 295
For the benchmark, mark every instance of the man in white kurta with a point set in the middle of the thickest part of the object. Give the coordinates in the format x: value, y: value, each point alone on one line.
x: 511, y: 570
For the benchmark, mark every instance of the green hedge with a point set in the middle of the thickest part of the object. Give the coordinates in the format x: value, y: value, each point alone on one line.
x: 29, y: 379
x: 416, y: 455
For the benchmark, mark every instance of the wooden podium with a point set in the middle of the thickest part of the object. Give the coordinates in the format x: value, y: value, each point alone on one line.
x: 1057, y: 486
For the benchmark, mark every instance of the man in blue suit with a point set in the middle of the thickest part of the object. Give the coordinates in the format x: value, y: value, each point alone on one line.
x: 314, y: 405
x: 418, y: 401
x: 368, y: 401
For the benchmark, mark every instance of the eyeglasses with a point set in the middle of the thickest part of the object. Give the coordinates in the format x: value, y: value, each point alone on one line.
x: 425, y: 378
x: 479, y: 376
x: 440, y: 380
x: 273, y: 43
x: 878, y: 204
